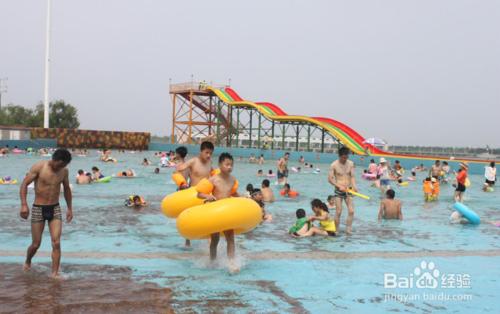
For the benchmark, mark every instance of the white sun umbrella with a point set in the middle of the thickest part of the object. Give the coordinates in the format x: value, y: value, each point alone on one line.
x: 375, y: 141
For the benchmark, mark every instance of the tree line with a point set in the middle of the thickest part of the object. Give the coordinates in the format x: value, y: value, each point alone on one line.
x: 61, y: 115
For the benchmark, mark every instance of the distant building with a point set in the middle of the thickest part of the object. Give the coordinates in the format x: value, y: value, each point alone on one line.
x: 14, y: 133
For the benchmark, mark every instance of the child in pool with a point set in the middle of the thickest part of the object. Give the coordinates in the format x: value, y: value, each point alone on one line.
x: 221, y: 186
x: 390, y: 208
x: 258, y: 198
x: 303, y: 227
x: 330, y: 202
x: 267, y: 192
x: 321, y: 214
x: 180, y: 159
x: 288, y: 192
x: 260, y: 173
x: 270, y: 174
x: 435, y: 188
x: 249, y: 190
x: 427, y: 188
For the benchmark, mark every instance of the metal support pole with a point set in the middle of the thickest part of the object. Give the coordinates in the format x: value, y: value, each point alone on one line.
x: 237, y: 127
x: 322, y: 140
x: 309, y: 138
x: 230, y: 125
x: 250, y: 130
x: 297, y: 132
x: 174, y: 119
x: 47, y: 71
x: 272, y: 134
x: 210, y: 115
x: 283, y: 137
x: 259, y: 128
x: 190, y: 125
x: 218, y: 115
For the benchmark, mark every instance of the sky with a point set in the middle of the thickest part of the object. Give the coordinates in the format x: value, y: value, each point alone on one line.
x: 411, y: 72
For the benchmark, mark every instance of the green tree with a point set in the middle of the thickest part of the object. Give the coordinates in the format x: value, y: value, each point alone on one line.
x: 61, y: 115
x: 16, y: 115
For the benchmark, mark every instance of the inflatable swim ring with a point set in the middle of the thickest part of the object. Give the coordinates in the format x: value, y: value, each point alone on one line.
x: 174, y: 204
x: 104, y: 179
x: 369, y: 176
x: 8, y: 182
x: 469, y: 214
x: 236, y: 213
x: 179, y: 179
x: 18, y: 151
x: 411, y: 179
x: 467, y: 182
x: 291, y: 193
x: 405, y: 183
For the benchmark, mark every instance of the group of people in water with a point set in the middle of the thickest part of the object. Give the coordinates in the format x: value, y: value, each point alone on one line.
x: 216, y: 184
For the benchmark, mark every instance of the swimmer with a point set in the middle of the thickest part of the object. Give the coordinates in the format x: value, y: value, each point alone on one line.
x: 283, y: 169
x: 303, y: 227
x: 288, y: 192
x: 157, y: 170
x: 135, y: 201
x: 390, y: 208
x: 252, y: 159
x: 267, y: 192
x: 322, y: 214
x: 127, y: 173
x: 197, y: 168
x: 461, y: 178
x: 270, y: 174
x: 427, y: 188
x: 261, y: 159
x: 384, y: 174
x: 330, y: 202
x: 224, y: 185
x: 260, y: 173
x: 146, y: 162
x: 180, y: 158
x: 490, y: 175
x: 342, y: 177
x: 82, y: 178
x: 258, y: 198
x: 413, y: 176
x: 96, y: 174
x: 301, y: 160
x: 435, y: 188
x: 249, y: 190
x: 372, y: 167
x: 48, y: 176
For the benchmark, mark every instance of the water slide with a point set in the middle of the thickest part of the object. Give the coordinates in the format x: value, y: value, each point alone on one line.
x: 346, y: 135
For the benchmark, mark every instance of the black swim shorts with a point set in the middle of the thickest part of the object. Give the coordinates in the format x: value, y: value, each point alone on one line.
x: 40, y: 213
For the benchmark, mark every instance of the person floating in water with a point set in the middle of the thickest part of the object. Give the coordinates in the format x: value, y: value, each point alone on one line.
x: 221, y: 186
x: 390, y: 208
x: 136, y: 201
x: 48, y: 176
x: 341, y: 176
x: 197, y: 168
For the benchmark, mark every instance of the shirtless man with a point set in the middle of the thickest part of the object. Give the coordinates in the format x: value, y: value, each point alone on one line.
x: 283, y: 169
x: 390, y: 208
x: 82, y: 178
x: 267, y: 193
x: 341, y: 176
x: 436, y: 169
x: 218, y: 187
x: 180, y: 156
x: 198, y: 168
x: 48, y: 176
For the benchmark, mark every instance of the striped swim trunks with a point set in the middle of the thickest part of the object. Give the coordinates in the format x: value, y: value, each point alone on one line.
x: 40, y: 213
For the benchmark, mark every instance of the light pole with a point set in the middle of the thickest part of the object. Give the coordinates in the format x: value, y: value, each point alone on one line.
x: 3, y: 89
x: 47, y: 70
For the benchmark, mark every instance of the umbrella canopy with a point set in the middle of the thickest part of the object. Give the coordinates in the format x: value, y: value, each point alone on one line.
x: 375, y: 141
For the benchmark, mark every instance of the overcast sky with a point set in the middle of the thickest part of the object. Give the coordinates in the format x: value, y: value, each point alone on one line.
x: 411, y: 72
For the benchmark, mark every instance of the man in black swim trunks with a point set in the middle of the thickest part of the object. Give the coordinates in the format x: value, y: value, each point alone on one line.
x: 48, y: 176
x: 283, y: 169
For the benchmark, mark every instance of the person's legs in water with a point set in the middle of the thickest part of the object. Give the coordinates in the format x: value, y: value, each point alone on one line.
x: 214, y: 241
x: 315, y: 231
x: 350, y: 215
x: 187, y: 243
x: 36, y: 240
x: 229, y: 234
x: 55, y: 228
x: 338, y: 211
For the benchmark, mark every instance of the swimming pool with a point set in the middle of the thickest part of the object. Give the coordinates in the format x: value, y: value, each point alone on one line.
x: 279, y: 273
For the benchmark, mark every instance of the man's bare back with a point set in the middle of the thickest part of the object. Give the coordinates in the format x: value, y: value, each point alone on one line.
x: 390, y: 209
x: 267, y: 195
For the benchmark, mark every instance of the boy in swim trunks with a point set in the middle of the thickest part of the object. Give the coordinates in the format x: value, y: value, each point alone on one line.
x: 390, y: 208
x: 197, y: 168
x: 48, y: 176
x: 180, y: 155
x: 341, y: 176
x: 222, y: 185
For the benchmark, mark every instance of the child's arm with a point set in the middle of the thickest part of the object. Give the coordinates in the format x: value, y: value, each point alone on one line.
x: 185, y: 165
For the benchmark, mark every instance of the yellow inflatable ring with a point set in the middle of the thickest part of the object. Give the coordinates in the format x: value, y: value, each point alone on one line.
x: 236, y: 213
x: 178, y: 179
x: 173, y: 204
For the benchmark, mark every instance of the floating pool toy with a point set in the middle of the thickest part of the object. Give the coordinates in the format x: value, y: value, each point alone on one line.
x: 358, y: 194
x: 468, y: 213
x: 369, y: 176
x: 174, y: 204
x: 294, y: 169
x: 467, y: 182
x: 405, y: 183
x: 179, y: 179
x: 291, y: 193
x: 490, y: 189
x: 18, y: 151
x: 8, y: 181
x: 411, y: 179
x: 236, y: 213
x: 104, y: 179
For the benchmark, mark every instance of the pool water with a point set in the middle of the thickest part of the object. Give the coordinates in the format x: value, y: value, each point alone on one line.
x: 279, y: 273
